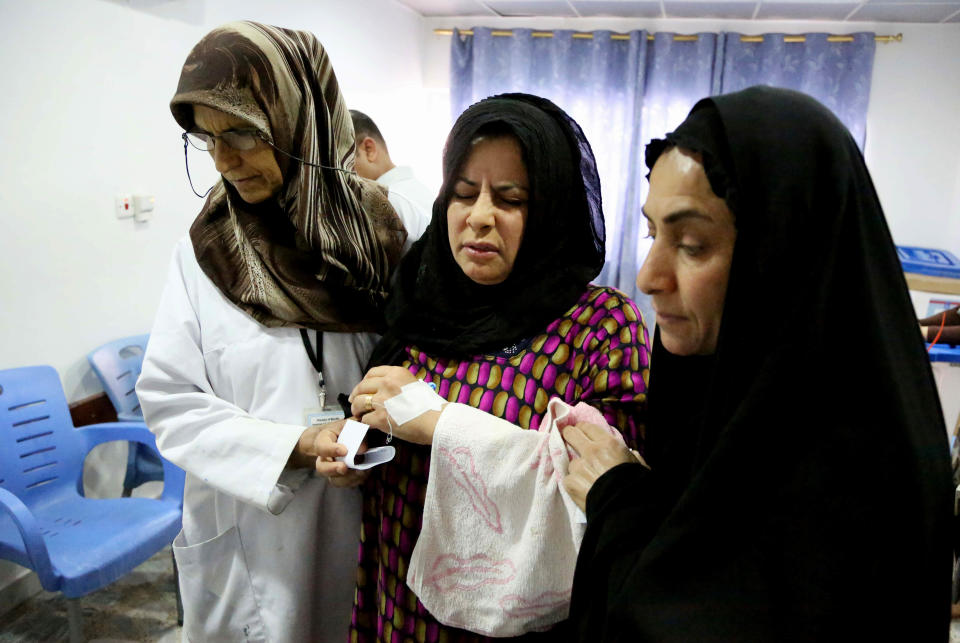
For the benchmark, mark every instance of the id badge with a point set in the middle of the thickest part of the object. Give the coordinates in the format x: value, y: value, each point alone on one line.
x: 314, y: 417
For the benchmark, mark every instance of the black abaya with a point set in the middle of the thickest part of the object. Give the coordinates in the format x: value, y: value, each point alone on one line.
x: 800, y: 487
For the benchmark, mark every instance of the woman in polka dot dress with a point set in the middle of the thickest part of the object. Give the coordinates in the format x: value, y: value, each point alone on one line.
x: 494, y: 306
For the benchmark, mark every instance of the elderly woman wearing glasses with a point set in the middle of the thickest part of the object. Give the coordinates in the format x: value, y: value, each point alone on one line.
x: 265, y: 317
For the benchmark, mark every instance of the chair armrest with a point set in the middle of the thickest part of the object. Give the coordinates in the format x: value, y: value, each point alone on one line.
x: 94, y: 434
x: 37, y: 552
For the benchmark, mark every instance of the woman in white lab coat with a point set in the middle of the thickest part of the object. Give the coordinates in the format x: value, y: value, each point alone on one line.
x: 231, y: 378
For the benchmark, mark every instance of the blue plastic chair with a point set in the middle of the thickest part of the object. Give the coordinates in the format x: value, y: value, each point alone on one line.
x: 118, y: 365
x: 75, y: 545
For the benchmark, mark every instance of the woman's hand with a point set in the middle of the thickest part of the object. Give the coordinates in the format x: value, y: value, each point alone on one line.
x: 318, y: 448
x: 379, y: 385
x: 599, y: 452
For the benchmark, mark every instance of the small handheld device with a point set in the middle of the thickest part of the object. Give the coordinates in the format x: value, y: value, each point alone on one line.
x: 352, y: 437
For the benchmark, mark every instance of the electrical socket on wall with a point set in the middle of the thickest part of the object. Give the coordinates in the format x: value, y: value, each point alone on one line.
x: 123, y: 206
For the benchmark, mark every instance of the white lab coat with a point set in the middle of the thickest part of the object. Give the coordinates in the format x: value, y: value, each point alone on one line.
x: 265, y: 554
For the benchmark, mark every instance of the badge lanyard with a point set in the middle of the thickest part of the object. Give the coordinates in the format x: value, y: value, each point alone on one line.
x: 316, y: 358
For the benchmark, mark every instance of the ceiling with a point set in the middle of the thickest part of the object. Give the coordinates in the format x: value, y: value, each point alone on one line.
x: 832, y: 10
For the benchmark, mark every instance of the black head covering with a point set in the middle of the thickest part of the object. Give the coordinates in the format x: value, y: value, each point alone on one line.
x: 436, y: 307
x: 800, y: 488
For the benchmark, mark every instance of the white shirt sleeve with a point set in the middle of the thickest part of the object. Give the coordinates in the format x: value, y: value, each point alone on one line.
x: 415, y: 218
x: 199, y: 431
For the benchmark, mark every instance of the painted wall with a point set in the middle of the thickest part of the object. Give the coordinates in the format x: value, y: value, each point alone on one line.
x: 85, y: 117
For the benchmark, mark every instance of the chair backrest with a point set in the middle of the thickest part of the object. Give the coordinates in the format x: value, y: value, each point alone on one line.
x: 40, y: 451
x: 118, y: 365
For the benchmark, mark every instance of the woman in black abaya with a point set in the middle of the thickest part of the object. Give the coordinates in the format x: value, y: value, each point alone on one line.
x: 799, y: 484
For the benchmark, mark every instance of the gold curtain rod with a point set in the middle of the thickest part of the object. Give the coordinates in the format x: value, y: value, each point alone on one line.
x: 677, y: 37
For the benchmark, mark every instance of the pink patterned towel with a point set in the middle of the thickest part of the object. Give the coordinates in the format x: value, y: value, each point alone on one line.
x: 500, y: 534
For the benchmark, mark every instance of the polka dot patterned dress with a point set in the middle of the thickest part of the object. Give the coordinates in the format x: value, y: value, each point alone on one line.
x: 597, y: 353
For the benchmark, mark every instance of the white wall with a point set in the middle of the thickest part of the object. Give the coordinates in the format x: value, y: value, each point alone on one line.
x: 913, y: 136
x: 84, y: 117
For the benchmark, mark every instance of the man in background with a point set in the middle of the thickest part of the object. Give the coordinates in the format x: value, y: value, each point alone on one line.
x: 412, y: 200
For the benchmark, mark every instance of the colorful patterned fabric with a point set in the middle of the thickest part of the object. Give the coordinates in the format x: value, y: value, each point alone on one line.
x: 597, y: 353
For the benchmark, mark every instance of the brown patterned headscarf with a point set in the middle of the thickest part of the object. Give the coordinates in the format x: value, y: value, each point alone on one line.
x: 319, y: 253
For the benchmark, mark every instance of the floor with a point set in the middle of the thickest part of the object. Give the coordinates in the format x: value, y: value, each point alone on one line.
x: 139, y: 607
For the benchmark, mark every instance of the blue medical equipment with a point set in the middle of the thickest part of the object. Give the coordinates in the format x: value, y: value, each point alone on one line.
x: 929, y: 262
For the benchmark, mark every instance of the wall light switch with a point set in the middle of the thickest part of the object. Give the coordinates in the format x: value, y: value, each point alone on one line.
x: 123, y: 206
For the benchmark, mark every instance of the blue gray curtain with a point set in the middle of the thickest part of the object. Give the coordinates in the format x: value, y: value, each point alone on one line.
x: 625, y: 91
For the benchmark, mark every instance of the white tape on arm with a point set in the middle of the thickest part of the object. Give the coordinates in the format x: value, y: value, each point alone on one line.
x: 415, y: 399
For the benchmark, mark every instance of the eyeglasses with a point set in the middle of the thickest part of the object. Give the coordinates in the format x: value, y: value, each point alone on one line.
x: 242, y: 140
x: 238, y: 139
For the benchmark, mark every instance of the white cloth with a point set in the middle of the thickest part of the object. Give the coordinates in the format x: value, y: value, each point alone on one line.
x: 412, y: 200
x: 500, y: 535
x: 265, y: 554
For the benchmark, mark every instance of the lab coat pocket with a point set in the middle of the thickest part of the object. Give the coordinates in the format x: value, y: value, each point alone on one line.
x: 216, y: 590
